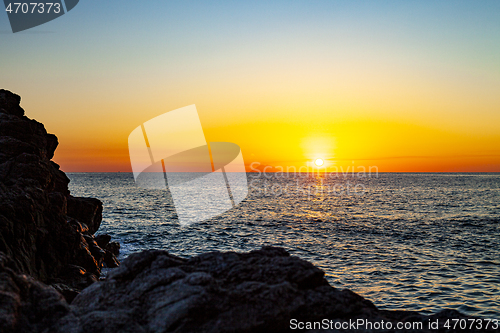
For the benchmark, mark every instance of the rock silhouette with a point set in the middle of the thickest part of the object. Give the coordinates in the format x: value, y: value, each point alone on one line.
x: 47, y: 233
x: 154, y: 291
x: 27, y: 305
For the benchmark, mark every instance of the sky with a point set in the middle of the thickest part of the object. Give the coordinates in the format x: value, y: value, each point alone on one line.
x: 406, y: 86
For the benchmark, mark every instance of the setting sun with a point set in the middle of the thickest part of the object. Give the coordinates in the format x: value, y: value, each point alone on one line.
x: 319, y: 162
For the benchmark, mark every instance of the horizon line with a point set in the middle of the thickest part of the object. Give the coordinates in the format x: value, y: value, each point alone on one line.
x: 315, y: 172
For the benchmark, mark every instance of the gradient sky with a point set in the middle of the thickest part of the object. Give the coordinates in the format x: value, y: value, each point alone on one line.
x: 404, y: 86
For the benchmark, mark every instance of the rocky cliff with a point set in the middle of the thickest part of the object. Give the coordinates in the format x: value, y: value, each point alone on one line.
x: 47, y: 233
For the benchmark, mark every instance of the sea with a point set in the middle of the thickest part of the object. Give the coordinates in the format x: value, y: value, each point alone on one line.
x: 413, y: 241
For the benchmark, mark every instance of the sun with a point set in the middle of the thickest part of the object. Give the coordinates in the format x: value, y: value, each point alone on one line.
x: 319, y: 162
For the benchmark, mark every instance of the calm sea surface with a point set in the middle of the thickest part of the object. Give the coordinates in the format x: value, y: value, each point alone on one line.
x: 405, y: 241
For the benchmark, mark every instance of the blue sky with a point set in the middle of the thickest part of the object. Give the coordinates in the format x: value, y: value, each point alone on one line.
x: 118, y: 59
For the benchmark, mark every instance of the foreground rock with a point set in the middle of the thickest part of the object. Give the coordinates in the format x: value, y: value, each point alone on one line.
x: 47, y: 233
x: 27, y: 305
x: 154, y: 291
x: 259, y: 291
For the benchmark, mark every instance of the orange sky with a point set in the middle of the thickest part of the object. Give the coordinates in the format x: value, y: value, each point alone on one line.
x: 409, y: 88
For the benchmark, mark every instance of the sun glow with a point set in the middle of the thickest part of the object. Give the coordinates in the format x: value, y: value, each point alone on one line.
x: 319, y: 162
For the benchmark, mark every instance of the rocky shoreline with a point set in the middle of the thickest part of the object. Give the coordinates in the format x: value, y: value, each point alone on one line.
x: 51, y: 262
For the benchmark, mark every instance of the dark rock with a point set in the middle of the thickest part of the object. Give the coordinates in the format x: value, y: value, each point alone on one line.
x: 52, y: 143
x: 75, y: 277
x: 43, y: 229
x: 113, y: 247
x: 259, y: 291
x: 78, y: 227
x: 58, y: 202
x: 103, y: 240
x: 9, y: 103
x: 27, y: 305
x: 66, y: 291
x: 154, y: 291
x: 110, y: 260
x: 94, y: 248
x: 86, y: 210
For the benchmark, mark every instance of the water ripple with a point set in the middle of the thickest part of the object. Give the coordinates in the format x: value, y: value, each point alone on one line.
x: 414, y: 241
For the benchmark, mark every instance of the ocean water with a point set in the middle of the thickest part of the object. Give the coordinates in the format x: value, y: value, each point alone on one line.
x: 405, y: 241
